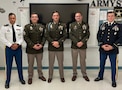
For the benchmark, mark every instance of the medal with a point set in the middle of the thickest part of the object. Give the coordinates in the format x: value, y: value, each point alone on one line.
x: 60, y: 32
x: 84, y: 31
x: 115, y: 33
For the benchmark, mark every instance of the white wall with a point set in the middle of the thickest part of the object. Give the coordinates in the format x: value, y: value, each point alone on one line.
x: 92, y: 52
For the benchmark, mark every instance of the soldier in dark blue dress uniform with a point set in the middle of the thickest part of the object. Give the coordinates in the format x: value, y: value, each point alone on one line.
x: 109, y: 38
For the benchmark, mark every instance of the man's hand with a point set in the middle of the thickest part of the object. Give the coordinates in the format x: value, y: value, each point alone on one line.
x: 107, y: 47
x: 79, y: 44
x: 37, y: 46
x: 56, y: 44
x: 14, y: 46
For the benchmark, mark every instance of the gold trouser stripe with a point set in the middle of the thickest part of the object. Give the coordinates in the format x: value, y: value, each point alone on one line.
x: 116, y: 67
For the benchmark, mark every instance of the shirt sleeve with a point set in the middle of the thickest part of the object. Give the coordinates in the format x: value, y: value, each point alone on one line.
x: 3, y: 38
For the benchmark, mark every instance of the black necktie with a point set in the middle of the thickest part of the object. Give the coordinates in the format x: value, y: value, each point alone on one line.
x: 14, y: 36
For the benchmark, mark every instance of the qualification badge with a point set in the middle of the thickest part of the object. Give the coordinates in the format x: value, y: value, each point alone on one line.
x: 40, y: 28
x: 60, y: 27
x: 75, y: 27
x: 84, y: 27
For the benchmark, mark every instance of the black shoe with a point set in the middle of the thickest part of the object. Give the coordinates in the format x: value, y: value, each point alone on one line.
x: 22, y: 81
x: 98, y: 79
x: 62, y: 80
x: 42, y: 78
x: 74, y: 78
x: 6, y: 86
x: 86, y: 78
x: 114, y: 84
x: 49, y: 80
x: 30, y: 81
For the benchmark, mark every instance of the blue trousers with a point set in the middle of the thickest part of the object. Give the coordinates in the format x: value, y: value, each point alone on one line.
x: 113, y: 61
x: 17, y: 54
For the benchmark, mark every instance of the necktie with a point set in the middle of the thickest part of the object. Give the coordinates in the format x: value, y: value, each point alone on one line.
x: 14, y: 36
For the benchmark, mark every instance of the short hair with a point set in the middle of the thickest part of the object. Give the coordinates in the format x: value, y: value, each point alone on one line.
x: 55, y: 12
x: 10, y: 14
x: 79, y: 12
x: 109, y: 12
x: 33, y: 13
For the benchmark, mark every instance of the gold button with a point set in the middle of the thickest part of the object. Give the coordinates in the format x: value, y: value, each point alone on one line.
x: 108, y: 29
x: 107, y: 39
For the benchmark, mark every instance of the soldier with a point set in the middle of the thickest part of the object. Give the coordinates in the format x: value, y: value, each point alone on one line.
x: 109, y: 38
x: 34, y: 37
x: 12, y: 36
x: 56, y: 34
x: 79, y: 35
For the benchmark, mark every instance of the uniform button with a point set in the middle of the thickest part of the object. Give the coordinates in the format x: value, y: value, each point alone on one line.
x: 107, y: 39
x: 108, y: 29
x: 108, y: 33
x: 108, y: 36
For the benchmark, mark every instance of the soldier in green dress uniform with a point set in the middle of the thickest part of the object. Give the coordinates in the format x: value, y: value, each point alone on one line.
x: 34, y: 37
x: 79, y: 35
x: 56, y: 35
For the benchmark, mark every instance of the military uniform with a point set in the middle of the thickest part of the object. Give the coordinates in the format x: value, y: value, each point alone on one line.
x: 110, y: 34
x: 6, y: 34
x: 79, y: 32
x: 34, y: 34
x: 55, y: 32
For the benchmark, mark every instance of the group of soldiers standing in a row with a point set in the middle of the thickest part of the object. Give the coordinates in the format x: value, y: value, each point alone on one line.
x: 35, y: 34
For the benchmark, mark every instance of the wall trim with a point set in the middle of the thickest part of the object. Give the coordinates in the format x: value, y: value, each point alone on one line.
x: 66, y: 67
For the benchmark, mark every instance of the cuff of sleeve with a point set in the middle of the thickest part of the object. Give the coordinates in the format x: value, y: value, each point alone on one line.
x: 31, y: 45
x: 85, y: 40
x: 100, y: 43
x: 9, y: 45
x: 115, y: 45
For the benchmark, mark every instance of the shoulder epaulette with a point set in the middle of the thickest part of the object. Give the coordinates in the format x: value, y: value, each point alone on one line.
x: 105, y: 23
x: 6, y: 25
x: 18, y: 25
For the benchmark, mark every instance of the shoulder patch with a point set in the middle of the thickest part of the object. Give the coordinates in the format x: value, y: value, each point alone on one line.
x: 6, y: 25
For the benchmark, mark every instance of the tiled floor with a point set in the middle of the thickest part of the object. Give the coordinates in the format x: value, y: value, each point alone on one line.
x: 79, y: 84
